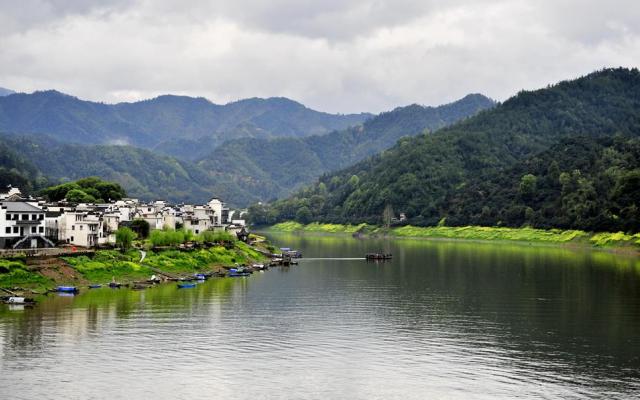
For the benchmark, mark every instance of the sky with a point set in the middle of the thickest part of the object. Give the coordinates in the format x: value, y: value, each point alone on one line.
x: 339, y: 56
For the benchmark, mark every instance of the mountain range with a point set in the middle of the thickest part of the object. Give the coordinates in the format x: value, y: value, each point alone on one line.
x: 565, y: 156
x: 69, y: 139
x: 164, y: 122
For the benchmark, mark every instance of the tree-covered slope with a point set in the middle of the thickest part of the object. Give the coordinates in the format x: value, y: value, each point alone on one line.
x: 166, y: 118
x: 140, y: 172
x: 422, y: 176
x: 283, y: 164
x: 17, y: 171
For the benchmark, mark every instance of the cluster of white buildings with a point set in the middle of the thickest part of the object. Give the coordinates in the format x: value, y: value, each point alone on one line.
x: 34, y: 223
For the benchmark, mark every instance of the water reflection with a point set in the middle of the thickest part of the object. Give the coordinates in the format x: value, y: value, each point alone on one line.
x: 442, y: 319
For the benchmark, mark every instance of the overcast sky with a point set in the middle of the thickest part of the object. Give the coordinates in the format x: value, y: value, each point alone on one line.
x: 331, y: 55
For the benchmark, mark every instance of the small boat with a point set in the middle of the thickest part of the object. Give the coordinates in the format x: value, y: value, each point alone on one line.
x: 200, y: 277
x: 18, y: 300
x: 186, y: 285
x: 238, y: 274
x: 260, y: 267
x: 95, y: 286
x: 115, y: 285
x: 378, y: 256
x: 67, y: 289
x: 139, y: 286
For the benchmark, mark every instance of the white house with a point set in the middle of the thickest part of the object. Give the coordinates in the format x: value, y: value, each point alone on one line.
x: 81, y: 228
x: 22, y: 225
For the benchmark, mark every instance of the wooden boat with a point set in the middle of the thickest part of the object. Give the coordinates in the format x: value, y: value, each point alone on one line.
x: 66, y: 289
x: 186, y: 285
x: 18, y: 300
x: 95, y: 286
x: 115, y: 285
x: 378, y: 256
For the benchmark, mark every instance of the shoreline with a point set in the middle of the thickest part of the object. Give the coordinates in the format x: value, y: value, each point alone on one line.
x: 617, y: 243
x: 38, y: 276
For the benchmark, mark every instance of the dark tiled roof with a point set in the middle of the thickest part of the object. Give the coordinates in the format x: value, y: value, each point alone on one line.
x: 19, y: 206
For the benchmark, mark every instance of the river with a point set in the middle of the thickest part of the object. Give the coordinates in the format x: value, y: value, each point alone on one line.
x: 442, y: 320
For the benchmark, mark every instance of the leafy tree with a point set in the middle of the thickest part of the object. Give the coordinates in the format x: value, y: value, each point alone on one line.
x: 140, y: 227
x: 79, y: 196
x: 124, y: 238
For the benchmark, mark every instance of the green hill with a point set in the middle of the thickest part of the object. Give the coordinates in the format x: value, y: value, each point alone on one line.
x: 281, y: 165
x: 481, y: 162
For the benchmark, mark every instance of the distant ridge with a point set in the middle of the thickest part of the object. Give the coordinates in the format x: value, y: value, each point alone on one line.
x: 274, y: 167
x: 165, y: 118
x: 5, y: 92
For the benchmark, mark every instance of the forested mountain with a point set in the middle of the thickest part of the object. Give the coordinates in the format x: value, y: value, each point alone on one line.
x: 245, y: 171
x: 5, y: 92
x: 477, y: 171
x: 149, y: 123
x: 141, y: 172
x: 280, y: 165
x: 16, y: 170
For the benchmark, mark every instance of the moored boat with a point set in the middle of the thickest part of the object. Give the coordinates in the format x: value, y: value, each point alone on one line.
x: 66, y: 289
x: 186, y: 285
x: 378, y: 256
x: 95, y: 286
x: 18, y: 300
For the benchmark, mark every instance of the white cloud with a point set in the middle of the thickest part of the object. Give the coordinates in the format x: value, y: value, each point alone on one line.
x: 339, y: 56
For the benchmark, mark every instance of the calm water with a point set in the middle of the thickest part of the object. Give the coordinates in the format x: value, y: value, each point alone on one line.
x: 442, y: 320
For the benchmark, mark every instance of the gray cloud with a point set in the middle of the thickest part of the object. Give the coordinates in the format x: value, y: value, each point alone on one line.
x: 339, y: 56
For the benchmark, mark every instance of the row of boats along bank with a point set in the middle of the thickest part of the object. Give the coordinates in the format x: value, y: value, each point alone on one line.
x: 286, y: 258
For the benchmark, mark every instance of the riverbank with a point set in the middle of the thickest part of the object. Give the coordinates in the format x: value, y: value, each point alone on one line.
x: 127, y: 267
x: 604, y: 240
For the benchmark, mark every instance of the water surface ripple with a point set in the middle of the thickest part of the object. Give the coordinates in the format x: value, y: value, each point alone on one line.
x: 442, y: 320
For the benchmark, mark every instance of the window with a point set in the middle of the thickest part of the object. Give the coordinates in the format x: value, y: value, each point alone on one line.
x: 41, y: 229
x: 33, y: 229
x: 8, y: 217
x: 34, y: 217
x: 7, y: 229
x: 41, y: 217
x: 16, y: 217
x: 72, y: 238
x: 81, y: 227
x: 73, y: 227
x: 15, y: 229
x: 197, y: 231
x: 25, y: 217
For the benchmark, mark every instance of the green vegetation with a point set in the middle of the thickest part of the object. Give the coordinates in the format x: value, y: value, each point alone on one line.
x: 126, y: 266
x: 124, y: 238
x: 86, y: 190
x: 525, y: 234
x: 14, y: 273
x: 292, y: 226
x: 567, y: 156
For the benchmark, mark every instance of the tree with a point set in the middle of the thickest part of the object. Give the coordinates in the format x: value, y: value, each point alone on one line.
x: 140, y: 227
x: 387, y: 215
x: 303, y: 215
x: 528, y: 185
x: 79, y: 196
x: 124, y: 238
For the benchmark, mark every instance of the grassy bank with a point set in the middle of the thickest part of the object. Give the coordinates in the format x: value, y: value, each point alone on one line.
x: 124, y: 267
x: 557, y: 236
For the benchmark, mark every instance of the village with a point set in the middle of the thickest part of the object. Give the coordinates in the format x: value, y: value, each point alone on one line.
x: 34, y: 223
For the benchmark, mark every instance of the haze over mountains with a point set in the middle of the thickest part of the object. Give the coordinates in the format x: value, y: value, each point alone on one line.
x: 566, y: 156
x: 272, y: 145
x: 170, y: 118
